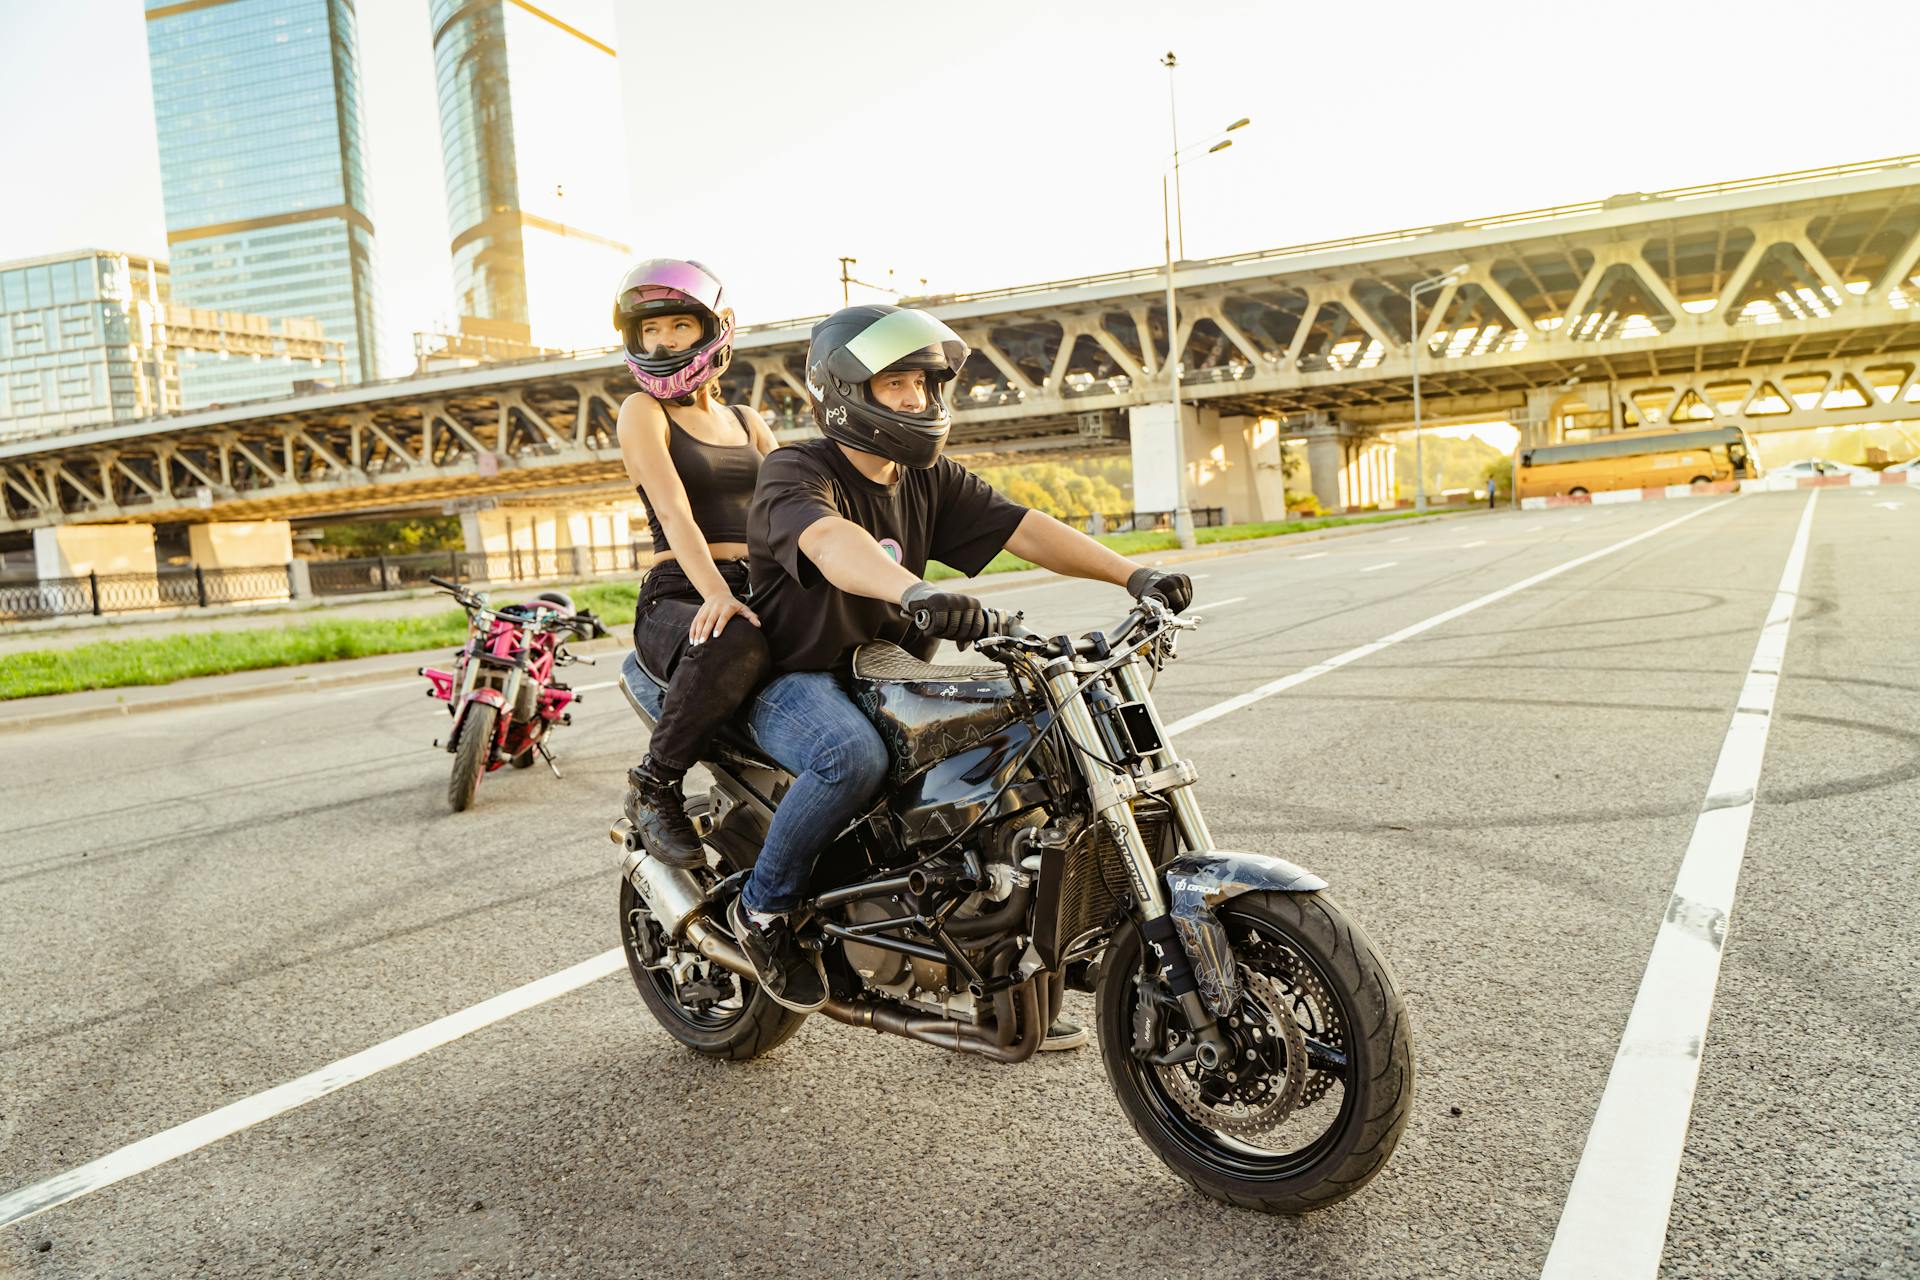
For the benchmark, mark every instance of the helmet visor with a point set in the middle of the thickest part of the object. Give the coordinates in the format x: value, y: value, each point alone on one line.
x: 685, y: 278
x: 891, y: 338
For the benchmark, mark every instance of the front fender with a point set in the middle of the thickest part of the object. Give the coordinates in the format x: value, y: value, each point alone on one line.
x: 1199, y: 882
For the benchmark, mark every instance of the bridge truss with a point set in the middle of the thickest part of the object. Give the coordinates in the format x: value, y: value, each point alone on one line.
x: 1778, y: 303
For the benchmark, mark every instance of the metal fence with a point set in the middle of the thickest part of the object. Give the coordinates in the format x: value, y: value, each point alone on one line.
x: 175, y: 587
x: 394, y: 573
x: 1141, y: 521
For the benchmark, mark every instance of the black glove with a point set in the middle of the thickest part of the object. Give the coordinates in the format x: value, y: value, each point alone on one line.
x: 947, y: 615
x: 1174, y: 590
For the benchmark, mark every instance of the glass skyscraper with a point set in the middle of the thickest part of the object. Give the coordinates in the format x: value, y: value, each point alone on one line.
x: 531, y: 132
x: 257, y: 103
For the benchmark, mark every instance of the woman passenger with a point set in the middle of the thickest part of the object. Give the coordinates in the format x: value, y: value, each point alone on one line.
x: 694, y: 462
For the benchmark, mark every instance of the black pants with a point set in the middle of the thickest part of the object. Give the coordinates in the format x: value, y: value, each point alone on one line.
x: 706, y: 683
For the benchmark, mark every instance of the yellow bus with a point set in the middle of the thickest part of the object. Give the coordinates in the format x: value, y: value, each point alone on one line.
x: 1638, y: 460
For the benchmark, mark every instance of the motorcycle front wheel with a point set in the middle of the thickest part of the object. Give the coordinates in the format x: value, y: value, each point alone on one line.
x: 470, y: 757
x: 1288, y: 1131
x: 703, y: 1006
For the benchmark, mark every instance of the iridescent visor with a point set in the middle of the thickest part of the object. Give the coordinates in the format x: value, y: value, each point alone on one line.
x: 682, y: 277
x: 892, y: 336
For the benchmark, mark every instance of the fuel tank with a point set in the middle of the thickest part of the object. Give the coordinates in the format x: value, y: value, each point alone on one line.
x: 955, y: 736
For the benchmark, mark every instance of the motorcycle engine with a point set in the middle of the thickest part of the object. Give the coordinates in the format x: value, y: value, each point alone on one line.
x: 929, y: 984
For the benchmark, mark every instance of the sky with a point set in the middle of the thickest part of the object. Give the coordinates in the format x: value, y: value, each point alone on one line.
x: 1000, y: 143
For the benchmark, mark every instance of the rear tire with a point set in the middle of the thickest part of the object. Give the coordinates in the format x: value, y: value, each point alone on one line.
x: 1576, y: 491
x: 752, y: 1026
x: 1700, y: 480
x: 1376, y: 1089
x: 470, y: 757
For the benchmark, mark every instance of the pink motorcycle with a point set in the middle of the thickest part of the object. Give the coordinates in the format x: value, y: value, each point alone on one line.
x: 501, y: 691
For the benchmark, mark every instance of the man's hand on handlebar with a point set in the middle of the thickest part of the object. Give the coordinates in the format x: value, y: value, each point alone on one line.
x: 948, y: 615
x: 1174, y: 590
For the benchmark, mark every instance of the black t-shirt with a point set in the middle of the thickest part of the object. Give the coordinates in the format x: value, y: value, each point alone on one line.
x: 943, y: 513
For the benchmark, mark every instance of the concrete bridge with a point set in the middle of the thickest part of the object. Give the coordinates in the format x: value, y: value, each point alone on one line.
x: 1775, y: 303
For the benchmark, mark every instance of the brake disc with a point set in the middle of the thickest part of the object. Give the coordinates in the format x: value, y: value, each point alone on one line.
x: 1264, y: 1084
x: 1312, y: 1007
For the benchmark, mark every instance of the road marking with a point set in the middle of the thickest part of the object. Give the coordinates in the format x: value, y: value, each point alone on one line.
x: 1221, y: 604
x: 598, y: 684
x: 1388, y: 565
x: 1468, y: 546
x: 1339, y: 660
x: 1311, y: 555
x: 1407, y: 538
x: 244, y: 1114
x: 1614, y: 1224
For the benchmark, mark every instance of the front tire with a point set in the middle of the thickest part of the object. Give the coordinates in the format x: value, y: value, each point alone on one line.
x: 1346, y: 1122
x: 470, y: 757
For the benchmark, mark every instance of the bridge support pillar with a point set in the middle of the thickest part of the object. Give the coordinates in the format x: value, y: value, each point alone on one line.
x: 76, y: 550
x: 1156, y: 482
x: 1257, y: 480
x: 238, y: 544
x: 1350, y: 470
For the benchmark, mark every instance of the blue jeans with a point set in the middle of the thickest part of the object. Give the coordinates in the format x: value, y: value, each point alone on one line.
x: 806, y: 721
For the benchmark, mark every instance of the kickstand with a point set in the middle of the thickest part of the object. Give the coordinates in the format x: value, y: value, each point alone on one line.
x: 548, y: 757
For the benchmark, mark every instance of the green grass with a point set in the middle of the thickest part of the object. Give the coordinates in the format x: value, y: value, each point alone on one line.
x: 109, y: 664
x: 1134, y: 544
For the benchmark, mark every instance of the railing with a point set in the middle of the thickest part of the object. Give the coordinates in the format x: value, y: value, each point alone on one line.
x: 1140, y: 521
x: 396, y: 573
x: 183, y: 587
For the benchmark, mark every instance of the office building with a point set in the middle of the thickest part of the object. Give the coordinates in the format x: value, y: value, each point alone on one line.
x: 257, y: 104
x: 532, y: 136
x: 76, y: 345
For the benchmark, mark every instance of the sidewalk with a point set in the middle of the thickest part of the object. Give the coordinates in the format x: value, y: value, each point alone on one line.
x: 66, y: 708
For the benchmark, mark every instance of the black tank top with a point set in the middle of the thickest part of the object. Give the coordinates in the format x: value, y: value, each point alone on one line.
x: 719, y: 483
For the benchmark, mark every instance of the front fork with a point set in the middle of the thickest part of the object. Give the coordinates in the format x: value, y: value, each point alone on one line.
x: 1111, y: 795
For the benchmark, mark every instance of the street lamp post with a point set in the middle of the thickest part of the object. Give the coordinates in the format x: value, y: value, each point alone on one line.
x: 1182, y: 510
x: 1413, y: 355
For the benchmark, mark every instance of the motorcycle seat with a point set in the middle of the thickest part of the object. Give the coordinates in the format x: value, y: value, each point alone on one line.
x: 880, y: 660
x: 647, y: 693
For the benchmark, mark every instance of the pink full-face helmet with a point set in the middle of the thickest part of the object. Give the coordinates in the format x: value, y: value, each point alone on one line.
x: 665, y: 287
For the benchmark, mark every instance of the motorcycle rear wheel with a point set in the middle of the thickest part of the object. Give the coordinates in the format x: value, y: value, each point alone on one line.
x: 470, y: 757
x: 1343, y: 986
x: 744, y: 1026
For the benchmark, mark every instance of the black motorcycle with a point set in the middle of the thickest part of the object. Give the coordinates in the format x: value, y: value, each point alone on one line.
x: 1038, y: 832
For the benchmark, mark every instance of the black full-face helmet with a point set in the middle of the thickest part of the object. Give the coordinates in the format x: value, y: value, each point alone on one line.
x: 850, y: 347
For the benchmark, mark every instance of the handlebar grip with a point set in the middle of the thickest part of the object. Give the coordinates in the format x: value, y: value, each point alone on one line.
x: 442, y: 582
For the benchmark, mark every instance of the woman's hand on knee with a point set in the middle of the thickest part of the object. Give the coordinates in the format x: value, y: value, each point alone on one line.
x: 714, y: 615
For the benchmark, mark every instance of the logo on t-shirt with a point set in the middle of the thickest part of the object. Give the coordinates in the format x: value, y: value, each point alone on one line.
x: 892, y: 549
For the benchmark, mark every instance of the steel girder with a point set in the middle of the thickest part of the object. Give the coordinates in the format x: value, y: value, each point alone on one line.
x: 1778, y: 303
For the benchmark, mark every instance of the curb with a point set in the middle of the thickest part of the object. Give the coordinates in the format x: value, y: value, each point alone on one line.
x: 1765, y: 484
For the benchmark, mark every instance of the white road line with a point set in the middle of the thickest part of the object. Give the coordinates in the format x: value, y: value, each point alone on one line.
x: 1388, y: 565
x: 1468, y: 546
x: 1339, y: 660
x: 232, y: 1118
x: 151, y: 1152
x: 1311, y: 555
x: 1221, y: 604
x: 598, y: 684
x: 1615, y: 1221
x: 1407, y: 538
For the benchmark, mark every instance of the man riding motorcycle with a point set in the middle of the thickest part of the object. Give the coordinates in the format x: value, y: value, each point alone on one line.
x: 840, y: 533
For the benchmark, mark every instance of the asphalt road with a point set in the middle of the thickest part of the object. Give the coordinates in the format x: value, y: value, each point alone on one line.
x: 201, y: 904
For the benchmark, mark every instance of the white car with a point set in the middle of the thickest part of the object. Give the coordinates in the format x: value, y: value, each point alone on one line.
x: 1820, y: 467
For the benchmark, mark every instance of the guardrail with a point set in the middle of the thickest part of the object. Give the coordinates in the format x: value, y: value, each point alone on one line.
x: 188, y: 586
x: 403, y: 572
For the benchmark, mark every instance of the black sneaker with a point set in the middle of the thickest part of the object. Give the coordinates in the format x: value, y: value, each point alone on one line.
x: 791, y: 975
x: 658, y: 813
x: 1064, y: 1035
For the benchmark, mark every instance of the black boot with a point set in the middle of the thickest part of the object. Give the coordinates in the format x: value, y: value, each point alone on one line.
x: 659, y: 815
